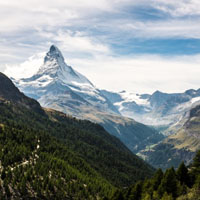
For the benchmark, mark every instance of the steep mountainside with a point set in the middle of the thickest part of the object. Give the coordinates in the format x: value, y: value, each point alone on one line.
x: 49, y: 155
x: 159, y: 109
x: 59, y: 86
x: 9, y: 92
x: 179, y: 146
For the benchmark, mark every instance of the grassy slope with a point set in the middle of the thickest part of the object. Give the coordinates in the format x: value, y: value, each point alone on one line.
x: 178, y: 147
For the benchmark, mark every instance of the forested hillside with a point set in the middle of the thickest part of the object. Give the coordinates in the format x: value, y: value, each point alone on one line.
x: 46, y: 154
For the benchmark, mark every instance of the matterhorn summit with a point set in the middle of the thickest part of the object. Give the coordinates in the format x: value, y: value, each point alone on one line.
x: 52, y: 61
x: 54, y: 66
x: 56, y: 82
x: 54, y: 53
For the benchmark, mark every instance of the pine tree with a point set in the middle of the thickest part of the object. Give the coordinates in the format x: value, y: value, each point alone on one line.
x: 197, y: 182
x: 147, y: 197
x: 7, y: 191
x: 157, y: 179
x: 169, y: 183
x: 156, y: 196
x: 195, y: 167
x: 136, y: 192
x: 182, y: 174
x: 117, y: 196
x: 167, y: 196
x: 196, y: 160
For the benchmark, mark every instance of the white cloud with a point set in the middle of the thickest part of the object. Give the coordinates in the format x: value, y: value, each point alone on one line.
x: 30, y: 26
x: 178, y: 8
x: 186, y: 28
x: 138, y: 74
x: 79, y: 42
x: 25, y: 69
x: 28, y: 14
x: 142, y: 74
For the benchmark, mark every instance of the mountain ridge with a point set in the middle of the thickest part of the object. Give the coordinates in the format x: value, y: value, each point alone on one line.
x: 73, y: 94
x: 157, y: 109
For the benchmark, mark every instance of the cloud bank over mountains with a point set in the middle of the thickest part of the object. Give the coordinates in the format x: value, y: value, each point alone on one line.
x: 143, y: 44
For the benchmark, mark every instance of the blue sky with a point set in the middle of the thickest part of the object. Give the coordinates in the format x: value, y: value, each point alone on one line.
x: 145, y: 45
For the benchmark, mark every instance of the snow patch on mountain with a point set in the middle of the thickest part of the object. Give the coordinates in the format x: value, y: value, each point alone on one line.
x: 41, y: 81
x: 195, y: 99
x: 130, y: 97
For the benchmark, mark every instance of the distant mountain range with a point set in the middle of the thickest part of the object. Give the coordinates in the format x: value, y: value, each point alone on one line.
x: 161, y: 110
x: 57, y: 85
x: 178, y: 147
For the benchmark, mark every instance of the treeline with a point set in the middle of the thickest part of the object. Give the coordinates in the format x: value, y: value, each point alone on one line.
x: 180, y: 184
x: 103, y: 152
x: 52, y: 156
x: 35, y: 165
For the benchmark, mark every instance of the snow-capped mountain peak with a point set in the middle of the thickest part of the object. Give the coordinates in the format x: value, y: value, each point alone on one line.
x: 54, y: 67
x: 53, y: 61
x: 57, y: 80
x: 54, y: 53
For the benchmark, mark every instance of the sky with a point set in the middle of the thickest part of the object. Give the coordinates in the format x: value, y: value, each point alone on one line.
x: 135, y: 45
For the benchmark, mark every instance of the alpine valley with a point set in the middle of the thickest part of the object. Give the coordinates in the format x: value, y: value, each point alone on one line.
x: 160, y: 117
x: 62, y: 138
x: 58, y: 86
